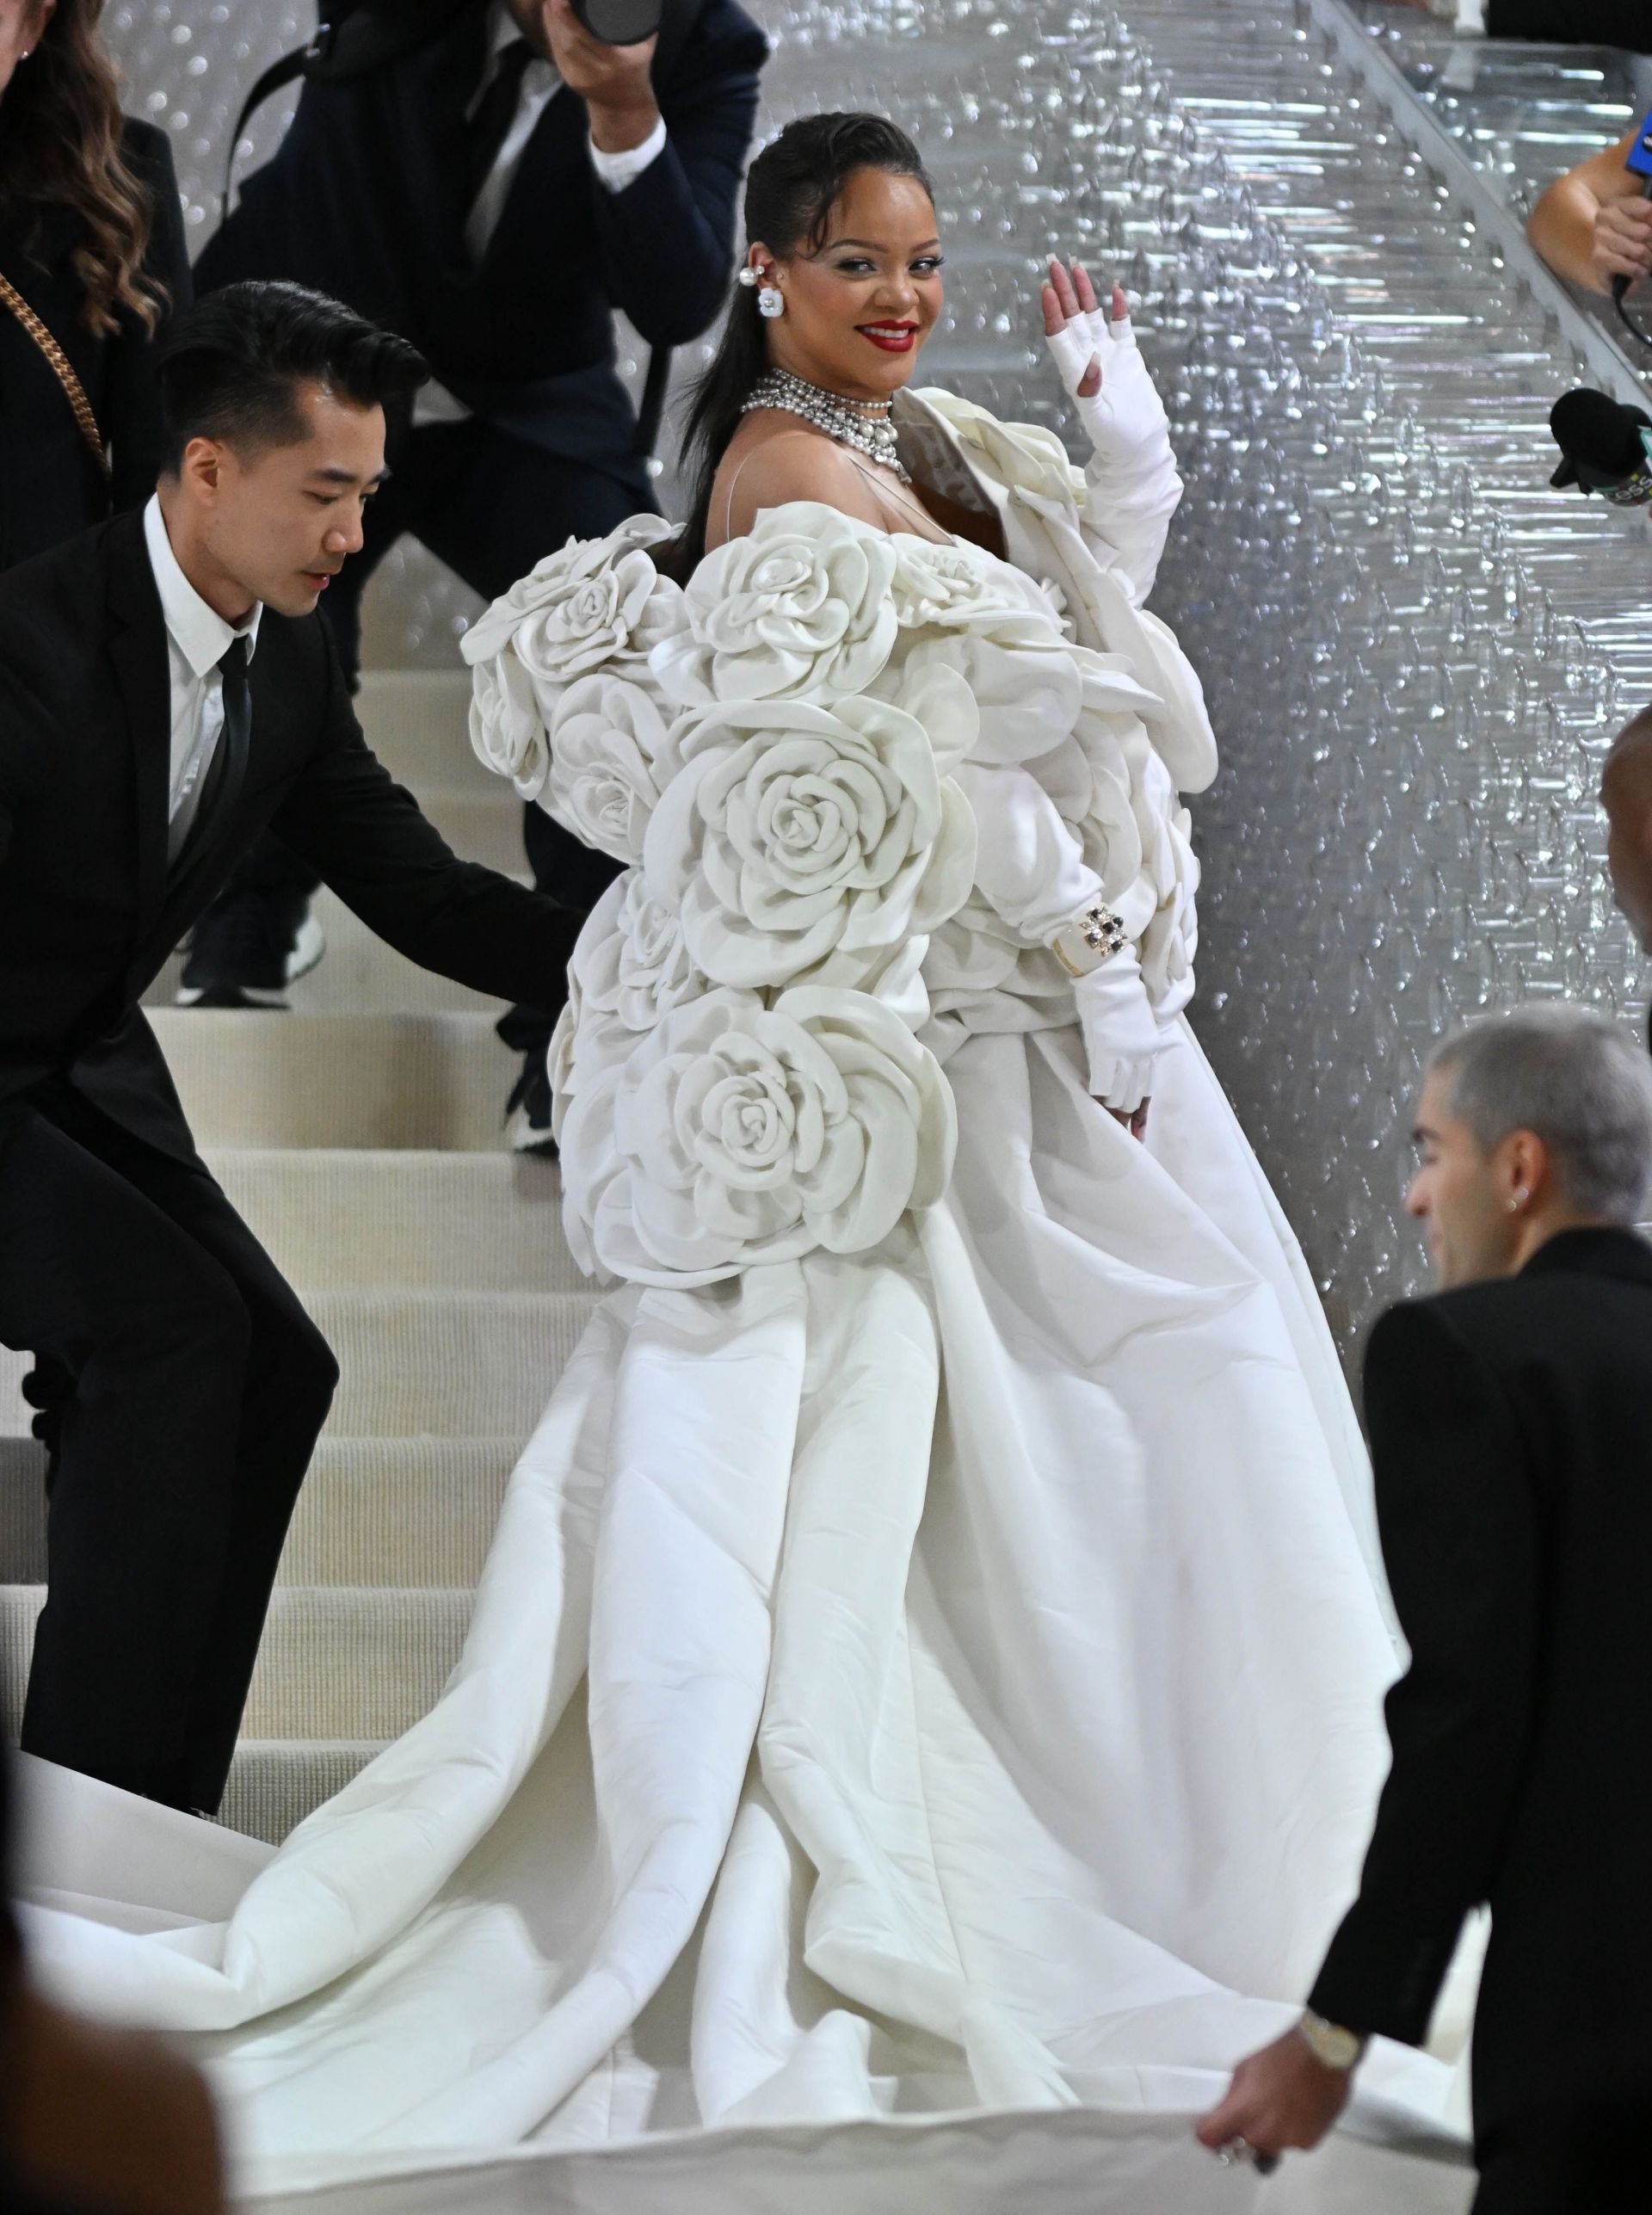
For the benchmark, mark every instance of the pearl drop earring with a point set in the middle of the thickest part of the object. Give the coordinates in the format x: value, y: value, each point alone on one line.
x: 770, y: 300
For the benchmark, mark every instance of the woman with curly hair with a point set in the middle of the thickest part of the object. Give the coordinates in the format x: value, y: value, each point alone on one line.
x: 92, y: 263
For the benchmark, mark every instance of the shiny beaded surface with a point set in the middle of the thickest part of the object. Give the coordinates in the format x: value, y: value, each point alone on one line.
x: 866, y: 426
x: 1414, y: 651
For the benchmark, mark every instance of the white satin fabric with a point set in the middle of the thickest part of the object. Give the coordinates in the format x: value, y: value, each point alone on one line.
x: 920, y: 1719
x: 942, y: 1682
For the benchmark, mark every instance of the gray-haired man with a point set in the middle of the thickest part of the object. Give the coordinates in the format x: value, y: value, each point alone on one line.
x: 1511, y: 1430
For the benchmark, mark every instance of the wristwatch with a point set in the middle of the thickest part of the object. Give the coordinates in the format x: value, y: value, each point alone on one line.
x: 1328, y: 2042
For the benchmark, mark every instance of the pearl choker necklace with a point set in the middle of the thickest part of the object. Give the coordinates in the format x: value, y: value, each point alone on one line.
x: 865, y: 425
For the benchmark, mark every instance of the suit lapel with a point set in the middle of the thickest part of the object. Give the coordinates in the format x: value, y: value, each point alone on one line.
x: 138, y: 650
x: 441, y: 79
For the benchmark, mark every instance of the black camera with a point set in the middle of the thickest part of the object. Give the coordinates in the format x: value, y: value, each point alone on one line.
x: 621, y: 22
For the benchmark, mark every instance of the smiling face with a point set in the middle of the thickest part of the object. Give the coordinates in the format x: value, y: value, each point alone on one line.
x: 275, y: 523
x: 858, y: 308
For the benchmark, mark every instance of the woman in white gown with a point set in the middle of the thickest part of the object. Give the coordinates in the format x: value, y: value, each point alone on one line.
x: 929, y: 1663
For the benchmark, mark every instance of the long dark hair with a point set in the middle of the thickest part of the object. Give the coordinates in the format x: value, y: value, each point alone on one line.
x: 60, y: 142
x: 791, y: 189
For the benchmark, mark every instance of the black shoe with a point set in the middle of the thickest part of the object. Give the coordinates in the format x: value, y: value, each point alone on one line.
x: 528, y: 1111
x: 248, y: 949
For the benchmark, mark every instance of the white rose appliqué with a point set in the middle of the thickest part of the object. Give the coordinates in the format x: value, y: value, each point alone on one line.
x: 736, y: 1134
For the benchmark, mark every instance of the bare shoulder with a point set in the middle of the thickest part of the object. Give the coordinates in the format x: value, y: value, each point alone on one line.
x: 769, y: 467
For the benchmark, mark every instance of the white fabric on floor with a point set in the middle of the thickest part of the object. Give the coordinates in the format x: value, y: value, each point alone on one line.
x: 1005, y: 1581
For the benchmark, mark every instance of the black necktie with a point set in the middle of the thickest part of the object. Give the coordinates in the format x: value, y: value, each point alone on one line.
x: 489, y: 125
x: 231, y: 751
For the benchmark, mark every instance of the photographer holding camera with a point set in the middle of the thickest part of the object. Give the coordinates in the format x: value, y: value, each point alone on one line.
x: 493, y: 192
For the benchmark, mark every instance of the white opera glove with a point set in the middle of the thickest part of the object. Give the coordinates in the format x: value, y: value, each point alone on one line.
x: 1122, y: 1040
x: 1134, y: 488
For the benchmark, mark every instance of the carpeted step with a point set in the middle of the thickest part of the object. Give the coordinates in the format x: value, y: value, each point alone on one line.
x: 275, y: 1782
x: 417, y: 722
x: 350, y: 1218
x: 446, y: 1364
x: 393, y: 1511
x: 436, y: 1082
x: 338, y: 1661
x: 441, y: 1364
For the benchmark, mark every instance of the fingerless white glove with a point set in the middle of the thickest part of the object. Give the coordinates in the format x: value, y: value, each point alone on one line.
x: 1124, y: 418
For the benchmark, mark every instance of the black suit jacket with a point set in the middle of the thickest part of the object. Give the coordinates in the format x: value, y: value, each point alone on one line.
x: 1577, y: 23
x: 50, y: 486
x: 88, y: 911
x: 360, y: 201
x: 1511, y: 1430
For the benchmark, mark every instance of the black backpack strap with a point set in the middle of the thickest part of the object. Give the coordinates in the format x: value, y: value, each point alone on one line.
x: 352, y: 37
x: 279, y: 73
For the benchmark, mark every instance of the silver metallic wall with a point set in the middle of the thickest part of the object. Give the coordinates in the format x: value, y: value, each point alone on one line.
x: 1414, y: 652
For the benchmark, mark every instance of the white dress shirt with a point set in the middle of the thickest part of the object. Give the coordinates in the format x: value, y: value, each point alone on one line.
x: 197, y: 639
x: 540, y: 84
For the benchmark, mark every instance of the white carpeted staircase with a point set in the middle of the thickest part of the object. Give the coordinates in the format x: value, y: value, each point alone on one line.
x: 361, y: 1137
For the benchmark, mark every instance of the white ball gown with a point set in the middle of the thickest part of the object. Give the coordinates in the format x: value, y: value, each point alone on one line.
x: 921, y: 1719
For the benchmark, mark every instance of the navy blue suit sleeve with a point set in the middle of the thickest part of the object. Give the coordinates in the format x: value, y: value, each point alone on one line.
x: 1457, y: 1514
x: 666, y: 241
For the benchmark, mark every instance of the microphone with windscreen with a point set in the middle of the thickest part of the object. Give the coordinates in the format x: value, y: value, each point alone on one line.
x: 1606, y: 447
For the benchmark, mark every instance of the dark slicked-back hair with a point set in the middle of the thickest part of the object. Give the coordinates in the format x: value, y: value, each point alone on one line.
x: 791, y: 190
x: 231, y: 367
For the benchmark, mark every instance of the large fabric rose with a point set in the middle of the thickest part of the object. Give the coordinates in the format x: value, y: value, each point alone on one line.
x: 610, y: 757
x: 1024, y: 680
x: 506, y: 730
x: 952, y: 585
x: 797, y: 608
x: 1021, y: 457
x: 802, y: 838
x: 594, y: 601
x: 632, y: 961
x: 738, y: 1134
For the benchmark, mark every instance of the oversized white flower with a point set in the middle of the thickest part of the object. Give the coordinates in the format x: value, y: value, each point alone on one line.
x: 506, y: 730
x: 1170, y: 941
x: 1021, y: 457
x: 952, y: 585
x: 737, y: 1135
x: 802, y: 838
x: 797, y: 608
x: 1025, y: 682
x: 632, y: 961
x: 611, y: 756
x: 593, y: 601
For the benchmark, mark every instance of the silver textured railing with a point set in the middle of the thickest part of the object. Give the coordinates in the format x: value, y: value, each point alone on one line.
x: 1414, y: 651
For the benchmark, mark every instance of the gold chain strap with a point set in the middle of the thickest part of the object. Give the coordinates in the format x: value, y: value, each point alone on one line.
x: 61, y: 367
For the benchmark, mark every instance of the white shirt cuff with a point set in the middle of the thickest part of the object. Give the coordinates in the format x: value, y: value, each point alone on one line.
x: 616, y: 171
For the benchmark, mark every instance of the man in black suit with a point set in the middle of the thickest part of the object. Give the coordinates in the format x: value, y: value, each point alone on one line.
x: 493, y: 197
x: 167, y: 693
x: 1511, y: 1429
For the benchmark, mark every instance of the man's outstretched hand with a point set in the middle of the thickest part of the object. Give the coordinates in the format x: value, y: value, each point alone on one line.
x: 1281, y: 2098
